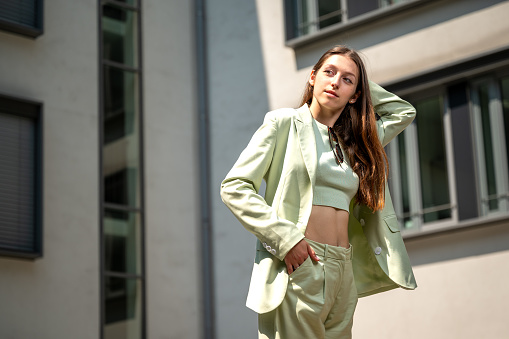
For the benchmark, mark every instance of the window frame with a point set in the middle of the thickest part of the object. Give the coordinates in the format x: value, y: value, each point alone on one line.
x: 24, y: 30
x: 30, y: 109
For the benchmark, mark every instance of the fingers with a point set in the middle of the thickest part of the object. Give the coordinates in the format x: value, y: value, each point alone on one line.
x: 291, y: 264
x: 289, y: 268
x: 296, y: 256
x: 312, y: 253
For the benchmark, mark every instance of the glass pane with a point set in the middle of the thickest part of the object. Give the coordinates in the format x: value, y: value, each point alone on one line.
x: 329, y: 12
x: 121, y: 137
x: 484, y: 105
x: 120, y: 103
x: 437, y: 215
x: 504, y: 85
x: 403, y: 171
x: 128, y: 2
x: 17, y: 182
x: 123, y: 301
x: 305, y: 17
x: 24, y: 13
x: 387, y: 3
x: 119, y: 35
x: 122, y: 242
x: 432, y: 159
x: 356, y: 7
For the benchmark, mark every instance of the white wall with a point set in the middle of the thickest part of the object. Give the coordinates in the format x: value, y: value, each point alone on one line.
x: 57, y: 296
x: 442, y: 44
x: 463, y: 298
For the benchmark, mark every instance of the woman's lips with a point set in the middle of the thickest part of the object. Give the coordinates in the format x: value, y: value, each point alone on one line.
x: 331, y: 93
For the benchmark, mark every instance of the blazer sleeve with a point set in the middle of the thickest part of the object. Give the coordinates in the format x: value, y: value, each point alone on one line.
x: 395, y: 113
x: 239, y: 191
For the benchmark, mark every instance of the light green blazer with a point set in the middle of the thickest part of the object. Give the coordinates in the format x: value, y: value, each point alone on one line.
x: 283, y: 153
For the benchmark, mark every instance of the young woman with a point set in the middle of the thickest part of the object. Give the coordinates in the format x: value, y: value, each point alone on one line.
x: 327, y: 230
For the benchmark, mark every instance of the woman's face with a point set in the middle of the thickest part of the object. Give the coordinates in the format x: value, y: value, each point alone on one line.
x: 334, y: 85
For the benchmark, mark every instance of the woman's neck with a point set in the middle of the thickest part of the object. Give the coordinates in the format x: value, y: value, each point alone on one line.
x: 324, y: 116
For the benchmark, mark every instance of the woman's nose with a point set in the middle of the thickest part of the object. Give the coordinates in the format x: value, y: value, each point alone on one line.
x: 335, y: 81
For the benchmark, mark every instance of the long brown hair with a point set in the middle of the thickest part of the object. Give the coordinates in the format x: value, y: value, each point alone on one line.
x: 357, y: 129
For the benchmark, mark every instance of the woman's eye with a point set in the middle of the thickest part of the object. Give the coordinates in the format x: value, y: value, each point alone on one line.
x: 328, y: 72
x: 348, y: 80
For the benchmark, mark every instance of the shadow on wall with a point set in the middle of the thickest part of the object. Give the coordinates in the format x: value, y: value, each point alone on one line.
x: 238, y: 101
x: 392, y: 27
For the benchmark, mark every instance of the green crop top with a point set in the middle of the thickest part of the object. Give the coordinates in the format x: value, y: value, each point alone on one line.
x: 335, y: 185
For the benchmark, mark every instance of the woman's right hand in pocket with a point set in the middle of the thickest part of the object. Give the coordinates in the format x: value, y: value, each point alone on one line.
x: 298, y: 254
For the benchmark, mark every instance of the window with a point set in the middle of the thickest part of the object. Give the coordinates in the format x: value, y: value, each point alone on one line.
x: 305, y: 17
x: 313, y: 15
x: 450, y: 167
x: 20, y: 178
x: 122, y: 226
x: 419, y: 161
x: 490, y: 109
x: 21, y: 16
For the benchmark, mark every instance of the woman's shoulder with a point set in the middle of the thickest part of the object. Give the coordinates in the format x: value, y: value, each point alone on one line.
x: 282, y: 116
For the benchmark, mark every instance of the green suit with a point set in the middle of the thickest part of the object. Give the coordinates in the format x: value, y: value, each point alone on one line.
x: 283, y: 153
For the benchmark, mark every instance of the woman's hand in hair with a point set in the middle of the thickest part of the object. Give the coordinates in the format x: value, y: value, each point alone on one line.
x: 298, y: 254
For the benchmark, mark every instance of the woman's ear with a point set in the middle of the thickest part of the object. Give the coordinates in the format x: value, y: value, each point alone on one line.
x: 312, y: 77
x: 354, y: 98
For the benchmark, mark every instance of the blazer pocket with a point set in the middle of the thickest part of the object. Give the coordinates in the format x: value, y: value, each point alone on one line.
x: 392, y: 222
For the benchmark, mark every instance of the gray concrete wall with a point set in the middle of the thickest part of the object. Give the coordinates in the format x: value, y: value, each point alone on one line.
x: 172, y: 191
x: 57, y: 296
x: 238, y: 103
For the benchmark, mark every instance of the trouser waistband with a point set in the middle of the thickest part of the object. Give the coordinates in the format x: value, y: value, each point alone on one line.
x: 330, y: 251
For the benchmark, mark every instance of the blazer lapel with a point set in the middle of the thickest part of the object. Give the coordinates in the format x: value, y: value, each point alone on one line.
x: 307, y: 140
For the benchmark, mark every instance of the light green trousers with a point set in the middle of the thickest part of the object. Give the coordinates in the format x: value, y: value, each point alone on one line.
x: 320, y: 300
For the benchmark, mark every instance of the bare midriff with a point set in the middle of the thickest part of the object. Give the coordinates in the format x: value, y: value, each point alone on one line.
x: 328, y: 225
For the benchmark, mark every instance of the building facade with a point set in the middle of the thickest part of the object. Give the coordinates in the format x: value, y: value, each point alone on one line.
x: 111, y: 84
x: 120, y: 118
